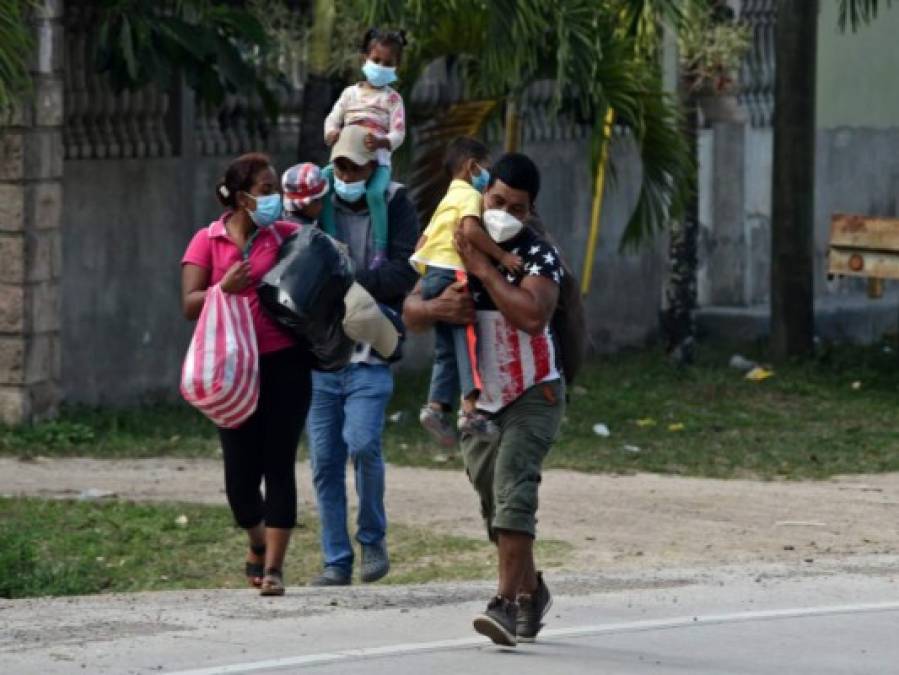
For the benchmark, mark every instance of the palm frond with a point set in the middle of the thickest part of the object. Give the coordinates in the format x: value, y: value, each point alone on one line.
x: 588, y: 49
x: 16, y: 44
x: 220, y: 49
x: 429, y: 179
x: 857, y: 13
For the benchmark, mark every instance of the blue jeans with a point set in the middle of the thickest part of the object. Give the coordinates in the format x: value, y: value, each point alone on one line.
x: 346, y: 419
x: 452, y: 371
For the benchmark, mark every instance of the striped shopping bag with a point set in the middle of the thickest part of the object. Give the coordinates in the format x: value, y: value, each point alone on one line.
x: 220, y: 376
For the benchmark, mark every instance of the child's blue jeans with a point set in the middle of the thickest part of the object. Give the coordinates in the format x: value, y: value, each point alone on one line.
x: 453, y: 370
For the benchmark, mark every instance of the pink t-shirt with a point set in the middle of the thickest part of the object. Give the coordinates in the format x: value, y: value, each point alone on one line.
x: 212, y: 249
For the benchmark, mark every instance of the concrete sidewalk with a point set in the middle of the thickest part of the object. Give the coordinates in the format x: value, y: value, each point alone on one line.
x: 838, y: 616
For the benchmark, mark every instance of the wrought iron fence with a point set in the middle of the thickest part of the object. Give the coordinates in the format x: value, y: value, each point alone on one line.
x: 757, y: 72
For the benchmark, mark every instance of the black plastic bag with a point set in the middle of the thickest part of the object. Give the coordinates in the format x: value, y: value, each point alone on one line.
x: 304, y: 292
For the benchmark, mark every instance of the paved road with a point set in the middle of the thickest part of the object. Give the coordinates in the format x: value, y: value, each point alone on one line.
x: 829, y: 617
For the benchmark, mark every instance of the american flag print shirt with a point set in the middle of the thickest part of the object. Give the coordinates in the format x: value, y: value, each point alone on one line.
x: 511, y: 361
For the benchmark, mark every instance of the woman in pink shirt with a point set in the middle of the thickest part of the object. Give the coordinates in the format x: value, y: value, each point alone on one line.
x: 235, y: 252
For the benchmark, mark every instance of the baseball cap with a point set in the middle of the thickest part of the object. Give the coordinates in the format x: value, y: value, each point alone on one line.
x: 302, y: 184
x: 351, y: 145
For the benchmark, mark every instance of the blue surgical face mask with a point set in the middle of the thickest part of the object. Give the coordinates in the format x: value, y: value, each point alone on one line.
x: 349, y: 192
x: 378, y: 75
x: 268, y: 209
x: 480, y: 181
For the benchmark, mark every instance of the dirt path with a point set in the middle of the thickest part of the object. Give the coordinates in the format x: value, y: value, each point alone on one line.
x: 613, y: 522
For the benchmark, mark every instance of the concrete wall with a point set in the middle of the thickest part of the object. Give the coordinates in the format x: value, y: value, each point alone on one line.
x: 856, y: 167
x: 126, y: 225
x: 624, y: 299
x: 857, y: 71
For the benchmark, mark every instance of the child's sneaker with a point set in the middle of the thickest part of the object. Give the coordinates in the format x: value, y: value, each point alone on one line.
x: 438, y: 424
x: 478, y: 425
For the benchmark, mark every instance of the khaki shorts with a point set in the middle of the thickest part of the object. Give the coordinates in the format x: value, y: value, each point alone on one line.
x: 506, y: 472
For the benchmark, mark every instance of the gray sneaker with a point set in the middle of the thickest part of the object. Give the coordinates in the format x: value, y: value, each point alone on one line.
x: 437, y: 423
x: 498, y: 621
x: 478, y: 425
x: 531, y: 610
x: 332, y: 576
x: 375, y: 563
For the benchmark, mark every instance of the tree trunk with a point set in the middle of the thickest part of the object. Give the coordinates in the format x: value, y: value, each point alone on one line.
x: 793, y: 189
x: 319, y: 90
x: 512, y: 141
x: 319, y: 94
x: 680, y: 291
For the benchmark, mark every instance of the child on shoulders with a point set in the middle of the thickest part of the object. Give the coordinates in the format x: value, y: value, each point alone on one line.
x: 372, y: 104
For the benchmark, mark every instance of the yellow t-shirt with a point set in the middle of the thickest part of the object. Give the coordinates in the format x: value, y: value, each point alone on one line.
x: 461, y: 200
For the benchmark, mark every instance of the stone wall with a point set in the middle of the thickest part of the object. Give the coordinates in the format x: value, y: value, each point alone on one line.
x: 31, y: 168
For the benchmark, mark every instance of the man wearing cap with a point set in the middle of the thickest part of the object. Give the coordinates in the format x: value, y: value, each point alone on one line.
x: 346, y: 417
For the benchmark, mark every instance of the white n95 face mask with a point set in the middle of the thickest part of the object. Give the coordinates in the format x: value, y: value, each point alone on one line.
x: 501, y: 226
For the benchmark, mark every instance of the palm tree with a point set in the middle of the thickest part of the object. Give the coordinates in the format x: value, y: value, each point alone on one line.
x: 218, y: 47
x: 793, y: 187
x: 596, y: 55
x: 318, y: 90
x: 792, y: 217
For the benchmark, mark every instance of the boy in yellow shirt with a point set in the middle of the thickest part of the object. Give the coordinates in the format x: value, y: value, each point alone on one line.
x: 436, y: 259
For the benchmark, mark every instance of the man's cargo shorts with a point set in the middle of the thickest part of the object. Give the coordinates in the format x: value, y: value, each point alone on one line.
x: 506, y: 472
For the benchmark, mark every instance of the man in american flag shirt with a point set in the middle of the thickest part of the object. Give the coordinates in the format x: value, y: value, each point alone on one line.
x: 523, y: 388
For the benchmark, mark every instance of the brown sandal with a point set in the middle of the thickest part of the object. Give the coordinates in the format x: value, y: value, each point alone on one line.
x: 272, y: 582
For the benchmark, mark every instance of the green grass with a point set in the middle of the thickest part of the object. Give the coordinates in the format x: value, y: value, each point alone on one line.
x: 149, y: 431
x: 68, y: 547
x: 806, y: 422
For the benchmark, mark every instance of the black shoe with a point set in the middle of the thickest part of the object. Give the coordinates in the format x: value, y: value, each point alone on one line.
x: 332, y: 576
x: 375, y: 563
x: 531, y: 609
x: 498, y: 621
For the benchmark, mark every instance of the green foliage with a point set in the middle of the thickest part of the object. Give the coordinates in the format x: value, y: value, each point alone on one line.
x: 349, y: 27
x: 590, y: 51
x: 808, y: 421
x: 436, y: 128
x: 149, y: 431
x: 220, y: 48
x: 711, y: 50
x: 16, y: 43
x: 24, y: 572
x: 55, y: 436
x: 859, y: 12
x: 645, y: 21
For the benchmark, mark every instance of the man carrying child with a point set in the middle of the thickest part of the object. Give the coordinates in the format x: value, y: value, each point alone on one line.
x: 523, y: 391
